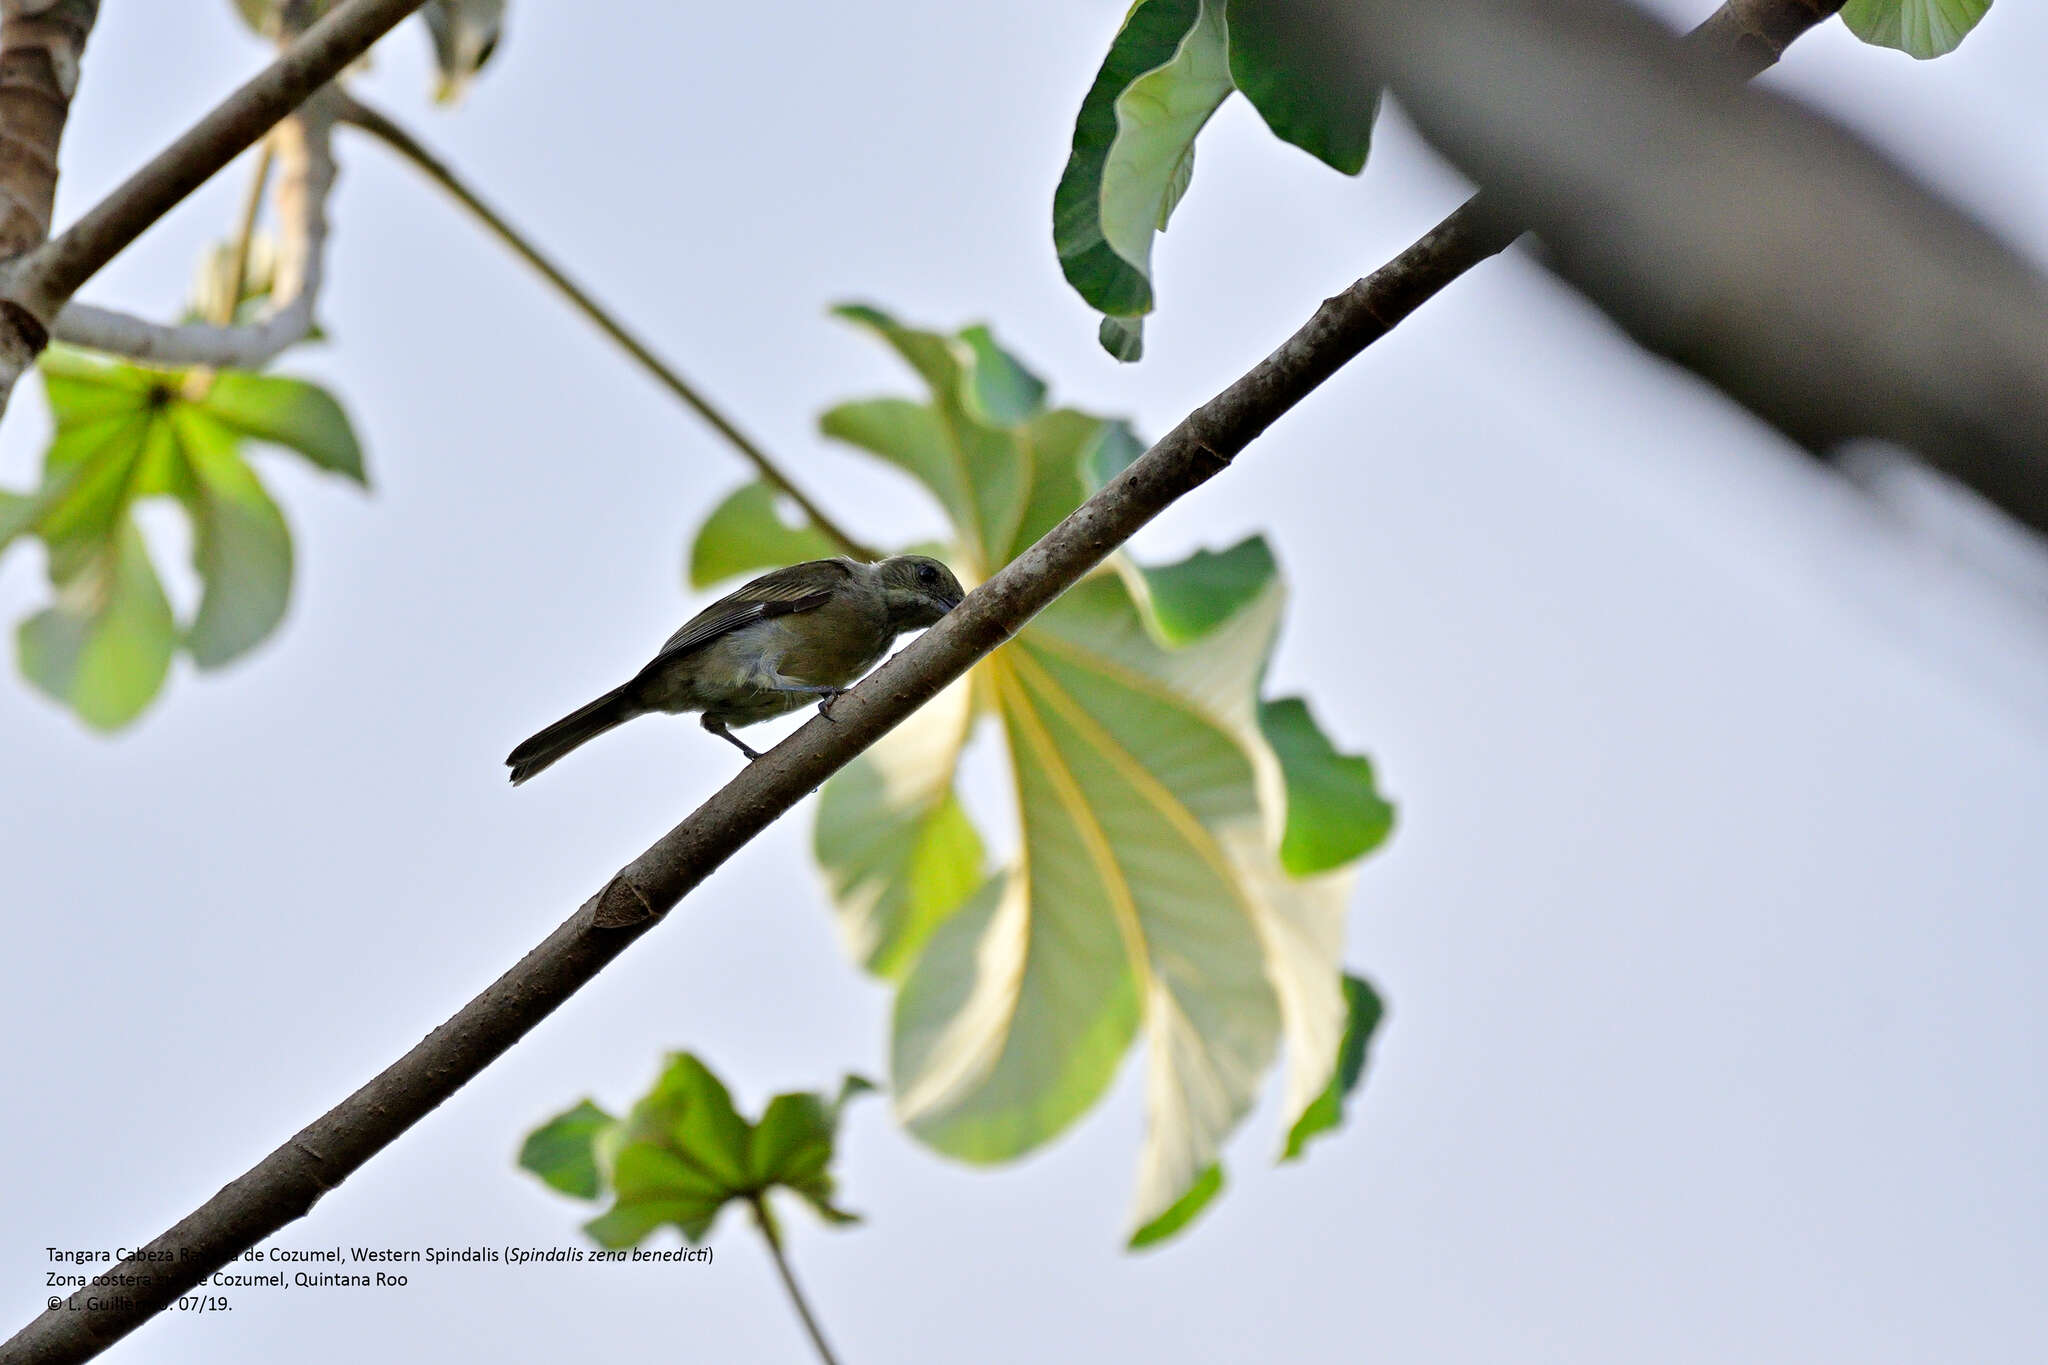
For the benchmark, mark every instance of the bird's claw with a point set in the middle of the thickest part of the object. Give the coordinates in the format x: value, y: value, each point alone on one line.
x: 825, y: 705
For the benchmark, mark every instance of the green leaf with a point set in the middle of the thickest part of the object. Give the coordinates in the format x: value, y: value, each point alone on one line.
x: 690, y: 1112
x: 745, y: 534
x: 683, y: 1153
x: 105, y: 646
x: 1116, y: 449
x: 563, y: 1152
x: 240, y: 544
x: 123, y: 433
x: 1335, y: 813
x: 1157, y: 116
x: 1003, y: 393
x: 1133, y: 157
x: 1363, y: 1012
x: 1187, y: 600
x: 1183, y: 1211
x: 1919, y: 28
x: 291, y: 413
x: 1151, y: 38
x: 898, y: 850
x: 1170, y: 66
x: 1296, y: 83
x: 970, y: 462
x: 1123, y: 338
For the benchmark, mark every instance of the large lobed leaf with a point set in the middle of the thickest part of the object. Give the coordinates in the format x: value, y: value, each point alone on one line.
x: 1919, y: 28
x: 1186, y: 850
x: 123, y: 433
x: 684, y: 1152
x: 1169, y: 67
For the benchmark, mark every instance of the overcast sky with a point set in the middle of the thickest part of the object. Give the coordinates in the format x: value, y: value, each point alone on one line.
x: 1712, y: 929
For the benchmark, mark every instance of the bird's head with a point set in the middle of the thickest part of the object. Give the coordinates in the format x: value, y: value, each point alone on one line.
x: 919, y: 590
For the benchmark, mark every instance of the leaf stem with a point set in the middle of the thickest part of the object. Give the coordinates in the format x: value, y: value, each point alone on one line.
x: 355, y: 113
x: 245, y: 231
x: 765, y: 1221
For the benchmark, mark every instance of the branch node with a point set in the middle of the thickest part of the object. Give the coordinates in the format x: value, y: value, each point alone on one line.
x: 23, y: 328
x: 621, y: 905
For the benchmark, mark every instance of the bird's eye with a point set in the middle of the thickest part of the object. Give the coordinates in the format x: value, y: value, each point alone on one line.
x: 927, y: 575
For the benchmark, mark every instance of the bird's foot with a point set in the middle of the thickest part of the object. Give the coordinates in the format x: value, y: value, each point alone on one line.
x: 825, y: 705
x: 717, y: 727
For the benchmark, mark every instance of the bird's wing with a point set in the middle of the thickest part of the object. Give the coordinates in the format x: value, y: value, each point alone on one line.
x: 800, y: 587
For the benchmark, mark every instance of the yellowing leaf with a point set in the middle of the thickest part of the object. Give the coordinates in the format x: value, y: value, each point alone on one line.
x: 1149, y: 901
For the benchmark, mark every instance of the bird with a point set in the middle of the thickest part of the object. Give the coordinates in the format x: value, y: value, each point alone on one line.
x: 771, y: 645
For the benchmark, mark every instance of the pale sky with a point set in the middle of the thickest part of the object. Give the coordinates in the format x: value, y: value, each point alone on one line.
x: 1711, y: 930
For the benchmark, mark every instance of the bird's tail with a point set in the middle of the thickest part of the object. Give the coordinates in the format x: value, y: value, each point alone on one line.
x: 579, y: 726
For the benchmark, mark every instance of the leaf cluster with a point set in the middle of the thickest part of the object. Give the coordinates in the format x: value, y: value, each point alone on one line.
x: 125, y: 433
x: 684, y: 1152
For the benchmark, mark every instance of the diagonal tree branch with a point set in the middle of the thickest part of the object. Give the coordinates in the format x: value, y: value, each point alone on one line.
x: 286, y: 1184
x: 1745, y: 237
x: 35, y: 286
x: 354, y: 112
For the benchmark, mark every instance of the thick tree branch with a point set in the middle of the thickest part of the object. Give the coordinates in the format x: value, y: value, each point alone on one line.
x: 41, y: 42
x: 33, y: 287
x: 359, y: 115
x: 1745, y: 237
x: 286, y: 1184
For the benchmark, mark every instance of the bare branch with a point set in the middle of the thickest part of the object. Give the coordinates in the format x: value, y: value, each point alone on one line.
x: 41, y: 42
x: 285, y: 1184
x: 354, y: 112
x: 1745, y: 237
x: 33, y: 287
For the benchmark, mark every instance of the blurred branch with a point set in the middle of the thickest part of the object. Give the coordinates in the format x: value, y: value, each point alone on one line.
x: 35, y: 286
x: 1747, y: 238
x: 303, y: 145
x: 286, y: 1183
x: 359, y: 115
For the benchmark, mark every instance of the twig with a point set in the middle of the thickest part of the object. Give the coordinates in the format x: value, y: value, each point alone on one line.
x: 33, y: 287
x: 354, y: 112
x: 765, y: 1221
x: 284, y: 1185
x: 236, y: 275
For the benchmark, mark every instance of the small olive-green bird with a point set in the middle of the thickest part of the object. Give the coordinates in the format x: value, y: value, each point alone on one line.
x: 796, y: 635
